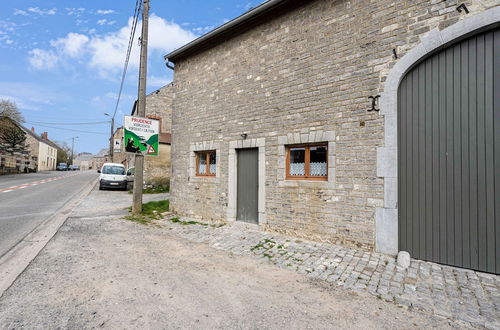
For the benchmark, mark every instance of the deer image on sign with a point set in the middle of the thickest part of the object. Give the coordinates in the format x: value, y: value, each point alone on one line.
x: 141, y: 135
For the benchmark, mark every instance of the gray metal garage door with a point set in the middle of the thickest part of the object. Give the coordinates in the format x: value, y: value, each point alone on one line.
x: 449, y: 156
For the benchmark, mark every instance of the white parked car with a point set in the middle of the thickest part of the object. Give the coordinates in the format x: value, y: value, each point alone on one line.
x: 112, y: 176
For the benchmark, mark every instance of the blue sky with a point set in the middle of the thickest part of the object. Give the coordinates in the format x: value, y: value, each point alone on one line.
x: 61, y: 61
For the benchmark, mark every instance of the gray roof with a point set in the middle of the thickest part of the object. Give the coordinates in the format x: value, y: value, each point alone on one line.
x: 39, y: 138
x: 234, y: 27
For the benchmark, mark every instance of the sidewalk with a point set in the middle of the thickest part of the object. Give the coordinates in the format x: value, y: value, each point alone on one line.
x: 100, y: 271
x: 451, y: 292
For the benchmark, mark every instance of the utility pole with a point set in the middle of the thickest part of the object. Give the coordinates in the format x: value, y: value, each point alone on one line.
x: 111, y: 139
x: 111, y: 136
x: 141, y: 110
x: 72, y: 148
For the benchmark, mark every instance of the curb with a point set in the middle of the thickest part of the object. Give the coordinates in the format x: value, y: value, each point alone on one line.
x: 17, y: 259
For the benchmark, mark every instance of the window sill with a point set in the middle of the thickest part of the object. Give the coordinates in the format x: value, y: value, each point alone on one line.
x: 306, y: 183
x: 208, y: 179
x: 305, y: 178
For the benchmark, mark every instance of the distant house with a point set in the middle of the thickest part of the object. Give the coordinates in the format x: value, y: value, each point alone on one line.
x: 99, y: 159
x: 44, y: 150
x: 119, y: 155
x: 159, y: 107
x: 83, y: 160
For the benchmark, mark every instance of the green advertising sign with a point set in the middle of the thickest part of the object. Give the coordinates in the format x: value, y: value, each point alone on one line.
x: 141, y: 135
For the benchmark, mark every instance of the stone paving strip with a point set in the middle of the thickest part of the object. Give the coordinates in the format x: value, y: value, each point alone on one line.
x: 446, y: 291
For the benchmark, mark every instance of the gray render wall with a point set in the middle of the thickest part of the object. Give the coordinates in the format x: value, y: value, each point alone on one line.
x: 308, y: 71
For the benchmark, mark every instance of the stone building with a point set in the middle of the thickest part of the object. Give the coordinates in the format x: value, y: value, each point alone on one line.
x: 44, y: 150
x: 159, y: 107
x: 119, y: 155
x: 99, y: 159
x: 287, y: 117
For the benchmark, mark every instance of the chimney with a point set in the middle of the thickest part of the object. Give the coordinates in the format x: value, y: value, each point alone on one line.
x: 44, y: 136
x: 32, y: 129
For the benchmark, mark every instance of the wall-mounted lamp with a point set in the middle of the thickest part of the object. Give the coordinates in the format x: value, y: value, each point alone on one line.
x: 244, y: 136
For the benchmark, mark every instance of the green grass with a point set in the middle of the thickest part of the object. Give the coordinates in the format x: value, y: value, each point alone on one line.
x: 150, y: 211
x: 155, y: 207
x: 138, y: 219
x: 185, y: 223
x: 157, y: 190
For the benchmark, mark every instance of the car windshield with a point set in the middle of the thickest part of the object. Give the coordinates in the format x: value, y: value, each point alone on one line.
x: 118, y: 170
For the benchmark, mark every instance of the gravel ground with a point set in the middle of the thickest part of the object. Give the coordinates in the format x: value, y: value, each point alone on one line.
x: 102, y: 271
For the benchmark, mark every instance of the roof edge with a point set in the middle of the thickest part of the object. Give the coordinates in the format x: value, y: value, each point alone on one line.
x: 227, y: 27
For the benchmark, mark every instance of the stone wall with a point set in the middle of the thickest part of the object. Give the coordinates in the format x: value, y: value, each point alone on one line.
x: 157, y: 169
x: 304, y: 74
x: 159, y: 106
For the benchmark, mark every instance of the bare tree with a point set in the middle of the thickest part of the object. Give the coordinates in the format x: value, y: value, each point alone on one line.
x: 9, y: 109
x: 63, y: 152
x: 12, y: 136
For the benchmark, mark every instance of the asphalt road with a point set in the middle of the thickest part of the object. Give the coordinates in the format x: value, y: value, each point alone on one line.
x: 26, y: 200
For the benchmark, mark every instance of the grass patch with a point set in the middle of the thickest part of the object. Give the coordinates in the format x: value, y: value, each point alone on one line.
x: 265, y: 244
x: 191, y: 222
x: 150, y: 211
x: 138, y: 219
x: 155, y: 207
x: 156, y: 190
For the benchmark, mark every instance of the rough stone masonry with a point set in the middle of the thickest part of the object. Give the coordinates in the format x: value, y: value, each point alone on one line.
x: 302, y: 76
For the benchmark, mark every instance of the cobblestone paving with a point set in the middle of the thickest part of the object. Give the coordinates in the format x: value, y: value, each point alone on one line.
x: 446, y: 291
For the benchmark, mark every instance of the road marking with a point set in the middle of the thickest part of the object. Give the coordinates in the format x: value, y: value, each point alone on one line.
x: 34, y: 183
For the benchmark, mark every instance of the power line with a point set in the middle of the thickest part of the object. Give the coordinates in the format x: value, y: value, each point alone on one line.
x: 88, y: 123
x: 135, y: 19
x: 67, y: 129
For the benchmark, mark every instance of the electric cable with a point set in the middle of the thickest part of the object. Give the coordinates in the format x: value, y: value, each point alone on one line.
x: 135, y: 19
x: 67, y: 129
x: 87, y: 123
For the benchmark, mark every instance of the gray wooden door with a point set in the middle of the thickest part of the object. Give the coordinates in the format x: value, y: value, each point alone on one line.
x: 248, y: 185
x: 449, y: 156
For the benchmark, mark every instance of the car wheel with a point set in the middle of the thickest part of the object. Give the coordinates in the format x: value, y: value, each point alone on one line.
x: 100, y: 187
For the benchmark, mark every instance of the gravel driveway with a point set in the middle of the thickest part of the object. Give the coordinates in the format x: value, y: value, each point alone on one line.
x: 102, y: 271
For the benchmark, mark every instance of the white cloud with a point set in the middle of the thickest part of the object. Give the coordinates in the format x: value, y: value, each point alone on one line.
x: 72, y: 45
x: 156, y: 81
x: 6, y: 26
x: 105, y: 11
x: 75, y: 11
x: 36, y: 10
x: 105, y: 22
x: 28, y: 96
x: 43, y: 59
x: 20, y: 12
x: 203, y: 29
x: 107, y: 52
